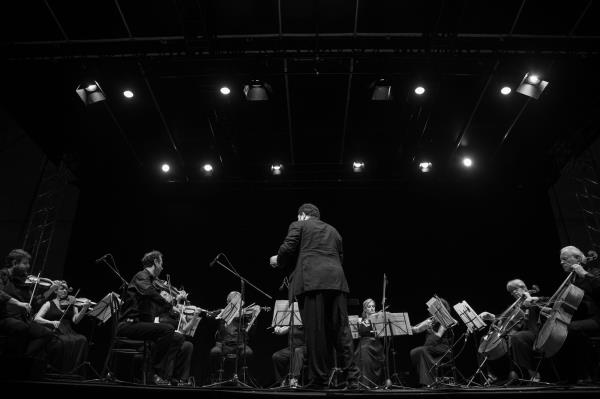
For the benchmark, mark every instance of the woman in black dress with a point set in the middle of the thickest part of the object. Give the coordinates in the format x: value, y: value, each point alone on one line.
x: 68, y: 349
x: 368, y: 355
x: 437, y: 342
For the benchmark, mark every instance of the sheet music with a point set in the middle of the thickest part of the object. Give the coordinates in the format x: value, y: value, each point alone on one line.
x: 102, y: 311
x: 282, y: 312
x: 397, y: 324
x: 353, y: 320
x: 437, y: 309
x: 469, y: 316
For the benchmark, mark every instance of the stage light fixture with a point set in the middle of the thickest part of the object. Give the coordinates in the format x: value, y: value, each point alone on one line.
x: 358, y: 166
x: 225, y: 90
x: 128, y: 94
x: 276, y: 169
x: 207, y: 169
x: 532, y: 86
x: 381, y: 90
x: 467, y: 162
x: 165, y: 168
x: 420, y: 90
x: 505, y: 90
x: 90, y: 92
x: 257, y: 90
x: 425, y: 166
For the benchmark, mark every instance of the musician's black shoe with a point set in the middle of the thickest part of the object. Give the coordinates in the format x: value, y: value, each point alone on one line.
x: 158, y: 380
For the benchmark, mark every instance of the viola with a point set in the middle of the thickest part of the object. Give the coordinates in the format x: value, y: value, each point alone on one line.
x: 565, y: 302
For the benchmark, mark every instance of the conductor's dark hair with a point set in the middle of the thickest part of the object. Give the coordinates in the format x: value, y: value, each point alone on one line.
x: 310, y: 210
x: 16, y: 256
x: 149, y: 258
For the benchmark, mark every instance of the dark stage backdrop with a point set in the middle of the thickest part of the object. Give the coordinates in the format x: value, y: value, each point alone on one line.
x: 462, y: 240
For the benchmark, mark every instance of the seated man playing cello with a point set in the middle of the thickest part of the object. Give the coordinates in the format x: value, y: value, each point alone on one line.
x: 585, y: 322
x: 522, y: 333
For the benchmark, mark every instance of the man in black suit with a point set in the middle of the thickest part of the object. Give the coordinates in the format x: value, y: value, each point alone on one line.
x: 319, y: 283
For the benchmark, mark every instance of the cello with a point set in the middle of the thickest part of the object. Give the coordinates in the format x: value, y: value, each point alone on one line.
x: 493, y: 345
x: 565, y: 301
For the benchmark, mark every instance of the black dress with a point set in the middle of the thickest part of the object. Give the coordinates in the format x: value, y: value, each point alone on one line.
x: 423, y: 358
x: 68, y: 349
x: 369, y: 356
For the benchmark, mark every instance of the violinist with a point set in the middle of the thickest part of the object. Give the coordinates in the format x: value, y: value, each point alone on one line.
x: 586, y: 320
x: 227, y: 335
x: 522, y: 335
x: 369, y: 356
x: 69, y: 348
x: 143, y: 303
x: 29, y: 338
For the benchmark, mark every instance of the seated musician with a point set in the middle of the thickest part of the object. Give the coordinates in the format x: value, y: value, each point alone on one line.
x: 577, y: 352
x: 227, y: 334
x: 69, y: 348
x: 522, y: 335
x: 178, y: 368
x: 28, y: 338
x: 281, y: 358
x: 437, y: 342
x: 368, y: 355
x: 142, y: 304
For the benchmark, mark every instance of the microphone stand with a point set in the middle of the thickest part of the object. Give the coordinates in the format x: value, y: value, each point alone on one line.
x: 243, y: 281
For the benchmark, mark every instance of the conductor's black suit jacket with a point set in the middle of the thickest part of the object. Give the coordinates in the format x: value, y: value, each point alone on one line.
x: 314, y: 249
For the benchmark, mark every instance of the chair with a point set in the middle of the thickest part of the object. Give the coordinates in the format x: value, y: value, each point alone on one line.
x: 136, y: 349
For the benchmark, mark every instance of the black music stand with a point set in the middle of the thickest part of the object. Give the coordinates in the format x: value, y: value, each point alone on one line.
x: 473, y: 323
x: 388, y: 325
x: 285, y: 315
x: 234, y: 380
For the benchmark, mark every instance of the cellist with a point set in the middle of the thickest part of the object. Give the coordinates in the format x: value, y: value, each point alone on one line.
x: 523, y: 333
x: 577, y: 350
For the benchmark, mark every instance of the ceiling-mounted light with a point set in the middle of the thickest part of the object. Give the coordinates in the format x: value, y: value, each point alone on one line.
x: 90, y: 92
x: 257, y: 90
x: 358, y: 166
x: 532, y: 86
x: 381, y: 90
x: 419, y: 90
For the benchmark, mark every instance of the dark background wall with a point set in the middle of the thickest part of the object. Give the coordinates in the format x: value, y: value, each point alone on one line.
x: 460, y: 239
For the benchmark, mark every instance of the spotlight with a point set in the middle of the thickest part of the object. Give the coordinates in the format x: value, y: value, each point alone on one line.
x: 257, y: 90
x: 90, y: 92
x: 420, y: 90
x: 467, y: 162
x: 276, y: 169
x: 382, y: 90
x: 128, y: 94
x: 505, y: 90
x: 225, y: 90
x: 533, y: 79
x: 425, y: 166
x: 532, y: 86
x: 207, y: 169
x: 165, y: 168
x: 358, y: 166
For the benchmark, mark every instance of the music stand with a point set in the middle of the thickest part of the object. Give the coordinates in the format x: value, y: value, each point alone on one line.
x: 388, y: 325
x: 285, y: 315
x: 353, y: 321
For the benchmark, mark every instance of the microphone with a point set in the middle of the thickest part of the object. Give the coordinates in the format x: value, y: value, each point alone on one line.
x: 211, y: 264
x: 99, y: 260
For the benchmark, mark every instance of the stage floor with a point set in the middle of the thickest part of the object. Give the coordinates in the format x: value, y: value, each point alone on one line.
x: 82, y: 389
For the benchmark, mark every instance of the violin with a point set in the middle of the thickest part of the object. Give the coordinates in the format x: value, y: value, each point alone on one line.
x: 165, y: 286
x: 565, y: 300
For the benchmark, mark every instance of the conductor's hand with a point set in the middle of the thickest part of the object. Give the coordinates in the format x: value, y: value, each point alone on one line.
x: 273, y: 261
